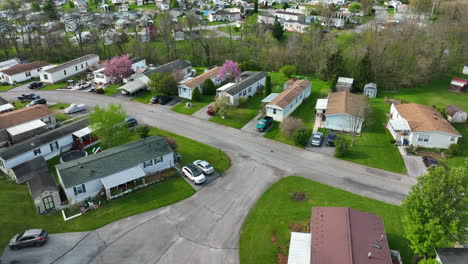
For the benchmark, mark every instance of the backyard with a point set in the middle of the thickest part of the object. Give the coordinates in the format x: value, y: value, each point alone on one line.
x: 239, y: 116
x: 16, y: 202
x: 266, y: 232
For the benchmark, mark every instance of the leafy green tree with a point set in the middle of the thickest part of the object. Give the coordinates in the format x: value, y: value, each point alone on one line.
x: 435, y: 210
x: 174, y: 4
x: 301, y: 137
x: 209, y: 87
x: 363, y: 73
x: 35, y: 7
x: 288, y: 70
x: 267, y: 89
x: 50, y: 10
x: 71, y: 4
x: 108, y: 124
x: 334, y: 66
x: 143, y: 131
x: 354, y: 7
x: 341, y: 147
x: 285, y: 6
x: 162, y: 83
x: 196, y: 95
x: 278, y: 30
x: 428, y: 261
x: 222, y: 106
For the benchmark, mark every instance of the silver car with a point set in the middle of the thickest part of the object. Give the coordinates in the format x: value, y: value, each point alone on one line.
x: 31, y: 237
x: 317, y: 138
x: 204, y: 166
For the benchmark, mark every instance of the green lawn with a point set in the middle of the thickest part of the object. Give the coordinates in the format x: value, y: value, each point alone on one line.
x: 55, y: 86
x: 180, y: 108
x: 240, y: 116
x: 18, y: 213
x: 143, y: 7
x: 214, y: 23
x: 390, y: 11
x: 112, y: 89
x: 436, y: 93
x: 276, y: 210
x: 143, y: 97
x: 59, y: 106
x: 4, y: 88
x: 226, y: 30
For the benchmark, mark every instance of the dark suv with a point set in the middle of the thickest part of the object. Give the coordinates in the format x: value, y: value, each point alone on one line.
x: 31, y: 237
x: 35, y: 85
x: 37, y: 102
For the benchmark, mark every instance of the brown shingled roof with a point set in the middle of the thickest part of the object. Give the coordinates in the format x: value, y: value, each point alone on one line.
x: 288, y: 95
x: 24, y: 67
x: 23, y: 115
x: 342, y: 235
x: 344, y: 103
x: 202, y: 77
x: 422, y: 118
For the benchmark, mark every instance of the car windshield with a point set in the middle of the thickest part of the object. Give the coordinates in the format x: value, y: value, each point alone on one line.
x: 20, y: 235
x: 208, y: 166
x: 316, y: 136
x: 196, y: 172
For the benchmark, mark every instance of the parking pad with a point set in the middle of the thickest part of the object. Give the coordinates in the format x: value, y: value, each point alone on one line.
x: 208, y: 180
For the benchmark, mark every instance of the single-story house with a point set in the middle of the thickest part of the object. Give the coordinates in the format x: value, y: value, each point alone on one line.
x: 186, y: 88
x: 288, y: 15
x: 138, y: 64
x: 41, y: 183
x: 27, y: 122
x: 223, y: 16
x: 288, y: 100
x: 138, y: 84
x: 68, y: 69
x: 126, y: 168
x: 344, y: 84
x: 458, y: 85
x: 451, y: 255
x: 22, y: 72
x: 265, y: 19
x: 344, y: 112
x: 342, y: 235
x: 296, y: 26
x: 245, y: 88
x: 370, y: 90
x: 9, y: 63
x: 5, y: 106
x: 455, y: 114
x: 420, y: 125
x: 48, y: 145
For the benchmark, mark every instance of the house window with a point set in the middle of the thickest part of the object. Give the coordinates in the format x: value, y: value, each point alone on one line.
x: 157, y: 160
x: 147, y: 163
x: 28, y: 74
x: 423, y: 138
x: 244, y: 92
x: 76, y: 67
x: 48, y: 202
x: 86, y: 64
x: 452, y: 138
x: 79, y: 189
x: 54, y: 146
x: 250, y: 89
x: 81, y: 65
x: 2, y: 164
x: 64, y: 72
x: 46, y: 77
x: 274, y: 111
x: 37, y: 152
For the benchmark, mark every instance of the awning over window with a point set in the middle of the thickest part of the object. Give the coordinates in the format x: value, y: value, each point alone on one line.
x: 399, y: 125
x: 270, y: 97
x: 82, y: 132
x: 122, y: 177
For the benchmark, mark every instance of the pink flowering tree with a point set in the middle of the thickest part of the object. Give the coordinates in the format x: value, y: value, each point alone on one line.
x: 230, y: 71
x: 118, y: 67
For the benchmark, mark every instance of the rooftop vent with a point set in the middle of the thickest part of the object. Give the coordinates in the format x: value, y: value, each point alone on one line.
x: 376, y: 246
x: 369, y: 255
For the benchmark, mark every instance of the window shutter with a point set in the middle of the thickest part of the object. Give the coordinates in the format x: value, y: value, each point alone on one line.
x: 84, y: 189
x: 74, y: 190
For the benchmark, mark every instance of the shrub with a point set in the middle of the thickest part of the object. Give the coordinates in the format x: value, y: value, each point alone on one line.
x: 196, y: 95
x: 288, y: 70
x: 100, y: 91
x: 267, y: 89
x: 173, y: 143
x: 143, y: 131
x: 454, y: 150
x: 209, y: 87
x: 301, y: 137
x: 291, y: 124
x: 242, y: 102
x: 299, y: 196
x: 341, y: 147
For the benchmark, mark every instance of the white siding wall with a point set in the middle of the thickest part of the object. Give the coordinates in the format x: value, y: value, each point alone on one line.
x: 185, y: 92
x: 277, y: 115
x: 340, y: 122
x: 65, y: 143
x: 248, y: 93
x: 21, y: 77
x: 168, y: 161
x: 436, y: 139
x: 281, y: 114
x: 39, y: 203
x: 138, y: 65
x: 92, y: 189
x: 70, y: 71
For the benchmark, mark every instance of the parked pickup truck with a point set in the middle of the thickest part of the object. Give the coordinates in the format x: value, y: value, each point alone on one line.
x: 264, y: 123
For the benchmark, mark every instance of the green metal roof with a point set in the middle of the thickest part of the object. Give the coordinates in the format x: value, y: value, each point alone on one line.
x: 109, y: 161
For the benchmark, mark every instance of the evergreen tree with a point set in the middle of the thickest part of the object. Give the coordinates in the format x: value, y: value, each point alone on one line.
x: 35, y: 6
x: 71, y: 4
x: 209, y: 87
x: 174, y: 4
x: 196, y: 95
x: 267, y: 89
x: 51, y: 10
x: 334, y: 66
x: 363, y: 73
x: 278, y: 30
x: 255, y: 6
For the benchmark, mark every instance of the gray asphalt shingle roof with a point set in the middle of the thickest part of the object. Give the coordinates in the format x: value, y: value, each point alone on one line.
x: 240, y: 86
x: 70, y: 63
x: 112, y: 160
x: 169, y: 67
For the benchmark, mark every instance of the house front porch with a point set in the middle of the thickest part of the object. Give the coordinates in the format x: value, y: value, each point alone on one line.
x: 400, y: 131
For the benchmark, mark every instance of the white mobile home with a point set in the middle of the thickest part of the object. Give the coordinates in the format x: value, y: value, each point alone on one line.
x: 287, y: 101
x: 68, y: 69
x: 186, y: 88
x: 22, y: 72
x: 245, y: 88
x: 9, y: 63
x: 420, y: 125
x: 126, y: 169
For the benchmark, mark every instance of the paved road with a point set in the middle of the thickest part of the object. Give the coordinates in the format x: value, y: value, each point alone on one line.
x: 379, y: 19
x: 205, y: 228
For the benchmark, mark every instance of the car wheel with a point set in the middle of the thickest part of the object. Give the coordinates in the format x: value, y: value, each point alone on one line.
x: 14, y: 247
x: 38, y: 245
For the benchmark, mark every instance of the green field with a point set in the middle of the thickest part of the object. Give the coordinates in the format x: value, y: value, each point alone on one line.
x: 143, y: 97
x: 265, y: 231
x: 180, y: 107
x: 239, y: 116
x: 226, y: 30
x: 18, y: 213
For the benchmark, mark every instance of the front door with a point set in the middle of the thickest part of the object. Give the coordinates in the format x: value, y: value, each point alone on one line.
x: 48, y: 202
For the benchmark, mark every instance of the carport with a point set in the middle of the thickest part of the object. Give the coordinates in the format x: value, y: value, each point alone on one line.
x: 122, y: 182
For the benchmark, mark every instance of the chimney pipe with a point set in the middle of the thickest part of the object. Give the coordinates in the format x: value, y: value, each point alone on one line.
x: 369, y: 255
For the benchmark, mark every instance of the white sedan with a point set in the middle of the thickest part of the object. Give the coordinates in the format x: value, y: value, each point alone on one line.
x: 74, y: 108
x: 204, y: 166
